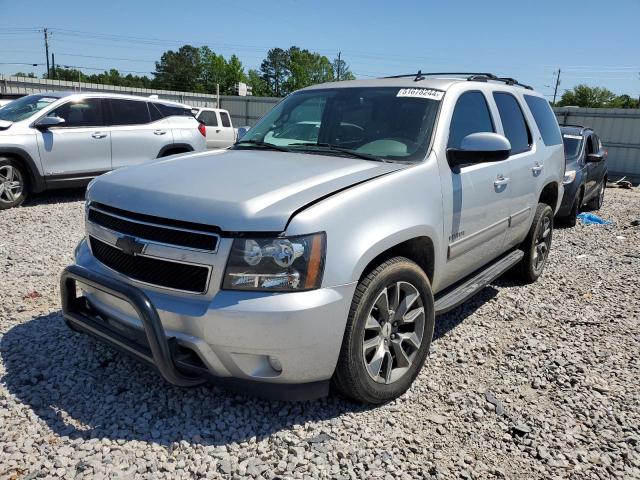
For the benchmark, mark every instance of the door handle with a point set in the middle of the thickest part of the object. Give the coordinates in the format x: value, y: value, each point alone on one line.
x: 99, y: 135
x: 218, y: 131
x: 159, y: 132
x: 501, y: 180
x: 537, y: 168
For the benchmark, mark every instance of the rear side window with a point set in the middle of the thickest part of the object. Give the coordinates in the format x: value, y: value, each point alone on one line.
x: 168, y: 110
x: 129, y: 112
x: 545, y: 119
x: 471, y: 115
x: 208, y: 118
x: 224, y: 118
x: 154, y: 112
x: 82, y: 113
x: 513, y: 122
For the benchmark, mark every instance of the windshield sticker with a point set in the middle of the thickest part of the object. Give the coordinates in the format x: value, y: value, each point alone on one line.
x: 47, y: 99
x: 575, y: 137
x: 420, y: 93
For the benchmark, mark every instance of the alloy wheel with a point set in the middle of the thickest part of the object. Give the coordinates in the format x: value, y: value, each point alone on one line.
x: 393, y: 332
x: 11, y: 184
x: 543, y: 242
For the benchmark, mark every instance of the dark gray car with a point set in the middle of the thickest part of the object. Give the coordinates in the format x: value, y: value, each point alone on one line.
x: 585, y: 175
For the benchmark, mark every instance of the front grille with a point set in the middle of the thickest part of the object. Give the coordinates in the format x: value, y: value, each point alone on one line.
x: 163, y: 273
x: 155, y: 232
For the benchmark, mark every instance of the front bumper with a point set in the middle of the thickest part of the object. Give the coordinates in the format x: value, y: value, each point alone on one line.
x: 230, y: 339
x: 568, y: 198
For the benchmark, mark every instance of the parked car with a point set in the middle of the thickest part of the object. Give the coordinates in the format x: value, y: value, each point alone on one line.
x: 220, y: 131
x: 57, y: 140
x: 285, y: 269
x: 585, y: 177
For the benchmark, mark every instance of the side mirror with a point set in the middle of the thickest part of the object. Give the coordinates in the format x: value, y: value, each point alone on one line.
x: 595, y: 157
x: 480, y: 147
x: 47, y: 122
x: 242, y: 131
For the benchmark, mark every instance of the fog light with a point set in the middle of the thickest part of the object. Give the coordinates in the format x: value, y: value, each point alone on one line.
x: 275, y: 364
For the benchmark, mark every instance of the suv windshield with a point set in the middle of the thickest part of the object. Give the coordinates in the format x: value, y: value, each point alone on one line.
x: 389, y: 123
x: 25, y: 107
x: 572, y: 145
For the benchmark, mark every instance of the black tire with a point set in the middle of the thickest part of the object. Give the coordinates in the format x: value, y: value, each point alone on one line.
x: 14, y: 196
x: 532, y: 264
x: 572, y: 219
x: 352, y: 378
x: 596, y: 202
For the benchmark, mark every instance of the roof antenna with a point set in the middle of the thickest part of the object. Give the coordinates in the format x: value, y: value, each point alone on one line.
x: 418, y: 76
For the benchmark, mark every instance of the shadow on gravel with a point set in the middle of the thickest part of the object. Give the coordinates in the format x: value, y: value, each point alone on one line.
x: 83, y: 389
x: 55, y: 196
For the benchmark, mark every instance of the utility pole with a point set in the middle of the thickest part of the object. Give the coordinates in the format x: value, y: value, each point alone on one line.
x: 555, y: 91
x: 339, y: 65
x: 46, y: 49
x: 53, y: 64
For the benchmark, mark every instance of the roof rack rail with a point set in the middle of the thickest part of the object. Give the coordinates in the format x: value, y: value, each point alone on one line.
x: 582, y: 127
x: 471, y: 76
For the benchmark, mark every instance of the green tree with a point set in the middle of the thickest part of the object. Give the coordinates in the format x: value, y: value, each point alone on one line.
x: 585, y: 96
x: 181, y: 70
x: 274, y: 70
x: 233, y: 74
x: 213, y: 70
x: 27, y: 75
x: 306, y: 68
x: 69, y: 75
x: 625, y: 101
x: 343, y: 68
x: 259, y: 86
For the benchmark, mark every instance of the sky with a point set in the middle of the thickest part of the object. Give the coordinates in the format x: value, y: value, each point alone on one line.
x: 593, y: 42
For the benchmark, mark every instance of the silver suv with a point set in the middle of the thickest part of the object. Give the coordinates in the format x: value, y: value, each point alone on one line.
x: 57, y: 140
x: 322, y: 259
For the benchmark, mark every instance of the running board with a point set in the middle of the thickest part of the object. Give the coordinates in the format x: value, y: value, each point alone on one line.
x: 460, y: 294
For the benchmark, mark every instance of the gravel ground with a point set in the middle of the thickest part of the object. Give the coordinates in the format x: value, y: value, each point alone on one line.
x: 537, y: 381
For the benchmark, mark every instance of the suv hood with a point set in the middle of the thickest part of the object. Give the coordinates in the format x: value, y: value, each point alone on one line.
x: 236, y: 190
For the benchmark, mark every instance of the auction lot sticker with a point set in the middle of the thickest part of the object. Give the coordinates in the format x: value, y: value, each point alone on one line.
x: 420, y: 93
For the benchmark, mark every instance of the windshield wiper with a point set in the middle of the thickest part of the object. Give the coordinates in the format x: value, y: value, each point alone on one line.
x: 258, y: 143
x: 348, y: 151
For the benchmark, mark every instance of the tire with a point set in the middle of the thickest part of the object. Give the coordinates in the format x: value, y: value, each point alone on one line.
x: 386, y: 339
x: 536, y: 246
x: 572, y: 219
x: 13, y: 183
x: 596, y: 202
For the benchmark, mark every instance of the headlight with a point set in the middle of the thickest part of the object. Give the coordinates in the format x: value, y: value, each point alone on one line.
x: 276, y: 264
x: 569, y: 176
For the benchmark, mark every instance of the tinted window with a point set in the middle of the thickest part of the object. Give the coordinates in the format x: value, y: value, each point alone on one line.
x: 471, y: 115
x: 168, y: 110
x: 129, y: 112
x: 545, y: 119
x: 80, y: 113
x: 591, y: 145
x: 154, y: 112
x: 224, y: 118
x: 208, y: 118
x: 513, y: 122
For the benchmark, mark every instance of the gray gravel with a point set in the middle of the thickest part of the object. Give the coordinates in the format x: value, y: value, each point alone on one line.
x: 538, y: 381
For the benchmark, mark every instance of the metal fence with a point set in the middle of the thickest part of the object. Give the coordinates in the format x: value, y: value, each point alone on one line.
x: 619, y: 130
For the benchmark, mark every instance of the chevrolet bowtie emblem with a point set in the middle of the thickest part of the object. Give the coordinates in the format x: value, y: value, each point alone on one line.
x: 130, y: 245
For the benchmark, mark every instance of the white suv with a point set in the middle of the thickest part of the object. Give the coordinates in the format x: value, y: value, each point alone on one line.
x: 287, y: 268
x: 58, y: 140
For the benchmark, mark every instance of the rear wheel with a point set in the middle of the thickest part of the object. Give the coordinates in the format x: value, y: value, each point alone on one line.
x: 537, y: 244
x: 13, y: 183
x: 388, y: 333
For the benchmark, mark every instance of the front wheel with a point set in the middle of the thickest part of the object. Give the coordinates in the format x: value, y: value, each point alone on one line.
x: 13, y: 185
x: 388, y: 333
x: 537, y: 245
x: 597, y: 202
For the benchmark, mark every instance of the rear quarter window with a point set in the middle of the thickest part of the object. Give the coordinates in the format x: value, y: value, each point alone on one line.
x: 545, y: 119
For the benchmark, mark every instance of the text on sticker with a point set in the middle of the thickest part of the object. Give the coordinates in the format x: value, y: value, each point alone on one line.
x: 420, y: 93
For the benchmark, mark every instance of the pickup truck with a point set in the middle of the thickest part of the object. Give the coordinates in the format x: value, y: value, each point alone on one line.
x: 220, y: 131
x: 291, y: 267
